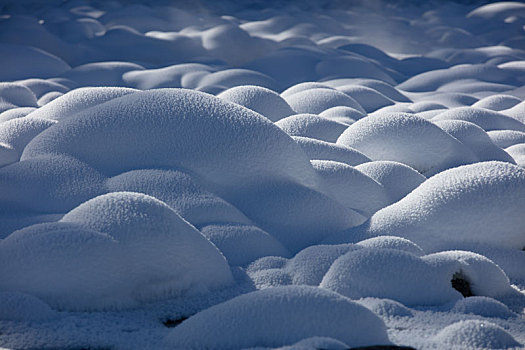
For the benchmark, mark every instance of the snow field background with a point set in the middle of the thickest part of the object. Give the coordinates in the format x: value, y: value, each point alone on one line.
x: 264, y: 175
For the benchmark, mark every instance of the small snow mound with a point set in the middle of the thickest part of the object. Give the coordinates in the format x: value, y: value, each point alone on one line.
x: 407, y: 139
x: 459, y: 204
x: 483, y: 276
x: 317, y: 100
x: 484, y: 118
x: 482, y: 306
x: 387, y: 273
x: 316, y: 149
x: 312, y: 126
x: 497, y: 102
x: 24, y: 307
x: 242, y: 244
x: 506, y: 138
x: 351, y: 187
x: 342, y: 114
x: 180, y: 191
x: 288, y: 315
x: 386, y: 307
x: 368, y: 98
x: 475, y: 138
x: 475, y: 334
x: 517, y: 152
x: 398, y: 179
x: 392, y: 242
x: 260, y: 100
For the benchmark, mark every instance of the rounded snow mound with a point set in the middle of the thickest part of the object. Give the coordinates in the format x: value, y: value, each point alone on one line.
x: 517, y: 152
x: 225, y: 144
x: 392, y: 242
x: 480, y: 202
x: 317, y: 100
x: 260, y: 100
x: 398, y: 179
x: 506, y: 138
x: 49, y: 184
x: 351, y: 187
x: 484, y: 118
x: 15, y: 134
x: 475, y: 334
x: 280, y: 316
x: 321, y: 150
x: 386, y: 307
x: 77, y: 100
x: 407, y: 139
x: 312, y: 126
x: 78, y: 262
x: 24, y: 307
x: 482, y: 306
x: 475, y: 138
x: 242, y: 244
x: 180, y: 191
x: 387, y: 273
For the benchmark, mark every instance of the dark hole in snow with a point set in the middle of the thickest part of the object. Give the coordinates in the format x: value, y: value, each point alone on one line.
x: 461, y: 284
x: 383, y: 347
x: 170, y: 323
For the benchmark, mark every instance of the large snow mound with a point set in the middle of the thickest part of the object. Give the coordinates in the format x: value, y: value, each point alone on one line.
x: 83, y: 256
x: 460, y: 204
x: 289, y: 314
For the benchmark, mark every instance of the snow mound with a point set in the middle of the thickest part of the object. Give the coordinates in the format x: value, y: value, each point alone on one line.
x: 484, y: 277
x: 484, y: 118
x: 407, y: 139
x: 16, y: 95
x: 385, y: 307
x: 517, y: 152
x: 15, y: 112
x: 387, y: 273
x: 342, y: 114
x: 77, y: 100
x: 392, y: 242
x: 368, y: 98
x: 475, y: 138
x: 227, y: 145
x: 475, y: 334
x: 506, y: 138
x: 24, y: 307
x: 260, y: 100
x: 289, y: 314
x: 48, y: 184
x: 15, y: 134
x: 459, y: 205
x: 316, y: 149
x: 497, y: 102
x: 296, y: 215
x: 30, y: 63
x: 482, y: 306
x: 242, y: 244
x: 180, y: 191
x: 351, y: 187
x: 312, y: 126
x: 83, y: 255
x: 398, y: 179
x: 317, y: 100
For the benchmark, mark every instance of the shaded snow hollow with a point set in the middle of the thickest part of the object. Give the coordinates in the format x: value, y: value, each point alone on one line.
x: 266, y: 175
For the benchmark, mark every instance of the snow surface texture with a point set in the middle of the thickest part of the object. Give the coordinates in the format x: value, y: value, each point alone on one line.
x: 264, y: 174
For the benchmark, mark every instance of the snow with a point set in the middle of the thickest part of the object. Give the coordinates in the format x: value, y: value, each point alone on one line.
x: 460, y: 204
x: 84, y: 254
x: 407, y: 139
x: 289, y: 314
x: 266, y: 175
